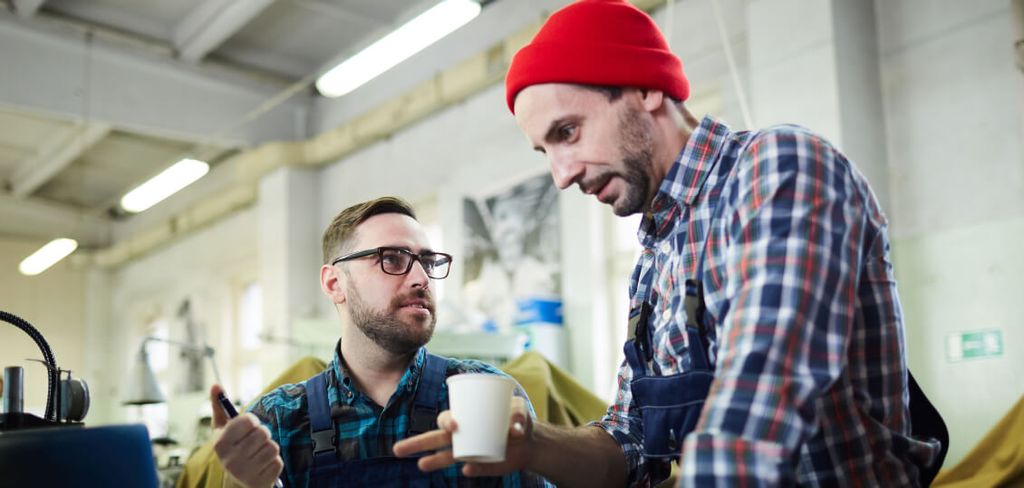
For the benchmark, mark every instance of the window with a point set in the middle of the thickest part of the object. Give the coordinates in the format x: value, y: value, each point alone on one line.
x: 436, y: 237
x: 155, y: 416
x: 159, y: 352
x: 250, y: 317
x: 428, y: 216
x: 250, y: 380
x: 246, y: 372
x: 622, y: 257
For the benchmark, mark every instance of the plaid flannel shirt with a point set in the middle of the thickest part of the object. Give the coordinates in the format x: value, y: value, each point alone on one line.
x: 364, y: 429
x: 808, y: 346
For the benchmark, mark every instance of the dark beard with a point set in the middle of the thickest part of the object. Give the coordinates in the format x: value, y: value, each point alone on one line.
x: 637, y: 156
x: 386, y: 330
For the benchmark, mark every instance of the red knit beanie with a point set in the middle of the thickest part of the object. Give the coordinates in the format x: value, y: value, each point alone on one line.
x: 598, y: 42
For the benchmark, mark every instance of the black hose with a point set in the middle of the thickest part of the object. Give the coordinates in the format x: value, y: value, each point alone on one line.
x: 51, y: 364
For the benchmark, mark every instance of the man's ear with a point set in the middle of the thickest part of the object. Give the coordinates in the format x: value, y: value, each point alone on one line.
x: 333, y: 283
x: 652, y: 99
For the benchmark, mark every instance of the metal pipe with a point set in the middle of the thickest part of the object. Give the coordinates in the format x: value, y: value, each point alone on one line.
x: 14, y: 382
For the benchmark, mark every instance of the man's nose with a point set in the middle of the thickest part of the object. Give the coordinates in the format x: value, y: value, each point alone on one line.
x: 418, y: 274
x: 564, y: 170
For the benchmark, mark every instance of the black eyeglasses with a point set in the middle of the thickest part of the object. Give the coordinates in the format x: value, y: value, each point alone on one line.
x: 398, y: 261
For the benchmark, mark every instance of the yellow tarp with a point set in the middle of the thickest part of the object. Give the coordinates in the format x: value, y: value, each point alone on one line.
x: 203, y: 467
x: 997, y: 460
x: 556, y: 396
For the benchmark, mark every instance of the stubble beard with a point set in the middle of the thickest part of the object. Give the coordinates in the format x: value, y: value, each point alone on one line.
x: 386, y: 329
x: 637, y: 152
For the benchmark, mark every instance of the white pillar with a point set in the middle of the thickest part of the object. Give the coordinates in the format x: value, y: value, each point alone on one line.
x: 289, y: 256
x: 101, y: 342
x: 816, y: 64
x: 861, y: 115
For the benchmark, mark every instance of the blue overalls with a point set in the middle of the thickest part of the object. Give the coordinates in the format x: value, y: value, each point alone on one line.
x: 670, y: 406
x: 385, y: 471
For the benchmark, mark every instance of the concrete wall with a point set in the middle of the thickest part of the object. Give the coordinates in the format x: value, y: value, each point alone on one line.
x: 953, y: 123
x: 54, y: 302
x: 922, y: 93
x: 961, y: 280
x: 209, y: 269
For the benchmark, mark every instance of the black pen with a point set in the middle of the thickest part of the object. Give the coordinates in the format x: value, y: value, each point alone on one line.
x: 232, y: 413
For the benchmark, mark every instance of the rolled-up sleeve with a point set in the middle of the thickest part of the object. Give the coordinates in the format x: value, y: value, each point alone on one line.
x: 791, y: 224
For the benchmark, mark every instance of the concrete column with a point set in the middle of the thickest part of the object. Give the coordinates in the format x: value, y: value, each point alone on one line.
x: 101, y: 362
x: 816, y: 64
x: 289, y: 256
x: 861, y: 115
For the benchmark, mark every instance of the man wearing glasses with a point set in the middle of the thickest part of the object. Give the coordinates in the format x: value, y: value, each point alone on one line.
x: 338, y: 428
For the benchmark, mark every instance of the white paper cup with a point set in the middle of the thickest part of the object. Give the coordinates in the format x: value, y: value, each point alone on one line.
x: 480, y: 405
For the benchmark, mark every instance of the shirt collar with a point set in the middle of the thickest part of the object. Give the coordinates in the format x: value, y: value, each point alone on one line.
x: 346, y: 385
x: 685, y: 179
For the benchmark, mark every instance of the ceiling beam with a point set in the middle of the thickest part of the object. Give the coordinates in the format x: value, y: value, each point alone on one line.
x: 340, y: 12
x: 55, y: 154
x: 104, y: 13
x: 39, y: 219
x: 27, y: 8
x: 232, y: 184
x: 212, y: 23
x: 64, y: 73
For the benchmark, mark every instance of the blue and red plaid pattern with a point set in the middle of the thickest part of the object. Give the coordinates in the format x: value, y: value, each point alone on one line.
x: 365, y: 430
x: 808, y: 344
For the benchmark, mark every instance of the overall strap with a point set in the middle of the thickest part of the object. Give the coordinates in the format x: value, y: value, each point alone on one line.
x: 423, y: 417
x: 696, y: 325
x: 321, y: 425
x: 640, y: 351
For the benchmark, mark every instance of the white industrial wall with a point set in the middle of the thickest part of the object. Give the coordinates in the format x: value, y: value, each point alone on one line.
x: 207, y: 268
x: 953, y: 107
x: 54, y: 303
x: 944, y: 153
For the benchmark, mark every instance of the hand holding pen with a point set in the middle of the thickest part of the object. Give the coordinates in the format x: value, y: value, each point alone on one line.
x: 244, y: 445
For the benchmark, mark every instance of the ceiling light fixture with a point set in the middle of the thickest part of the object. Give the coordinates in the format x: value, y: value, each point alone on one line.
x: 420, y: 32
x: 163, y: 185
x: 48, y: 255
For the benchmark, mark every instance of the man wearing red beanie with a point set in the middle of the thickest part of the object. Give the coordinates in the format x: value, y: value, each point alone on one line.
x: 767, y: 337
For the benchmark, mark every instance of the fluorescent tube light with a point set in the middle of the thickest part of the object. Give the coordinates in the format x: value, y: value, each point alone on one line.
x: 163, y: 185
x: 409, y: 39
x: 47, y: 256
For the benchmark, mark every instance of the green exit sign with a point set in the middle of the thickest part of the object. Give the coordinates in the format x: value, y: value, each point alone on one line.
x: 972, y: 345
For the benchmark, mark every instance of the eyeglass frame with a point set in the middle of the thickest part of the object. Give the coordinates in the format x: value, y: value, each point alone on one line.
x: 416, y: 258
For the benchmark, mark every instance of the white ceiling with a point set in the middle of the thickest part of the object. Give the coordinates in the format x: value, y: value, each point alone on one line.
x: 97, y: 96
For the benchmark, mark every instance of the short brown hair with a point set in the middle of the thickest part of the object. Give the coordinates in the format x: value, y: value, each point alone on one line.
x: 343, y: 228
